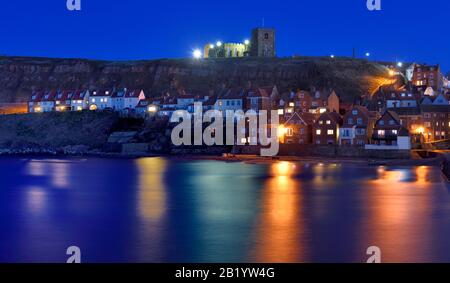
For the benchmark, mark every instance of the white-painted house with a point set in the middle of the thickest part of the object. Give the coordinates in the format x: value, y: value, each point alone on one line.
x: 47, y: 103
x: 132, y: 98
x: 100, y: 100
x: 80, y: 100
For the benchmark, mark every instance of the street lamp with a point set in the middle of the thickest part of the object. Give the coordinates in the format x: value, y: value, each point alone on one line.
x: 246, y: 42
x: 367, y: 54
x: 332, y: 56
x: 219, y: 43
x: 400, y: 64
x: 197, y: 54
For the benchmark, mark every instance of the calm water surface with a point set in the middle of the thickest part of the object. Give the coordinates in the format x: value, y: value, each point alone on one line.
x: 161, y: 210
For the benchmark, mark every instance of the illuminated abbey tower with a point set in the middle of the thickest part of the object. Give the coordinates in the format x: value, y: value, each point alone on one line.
x: 262, y: 44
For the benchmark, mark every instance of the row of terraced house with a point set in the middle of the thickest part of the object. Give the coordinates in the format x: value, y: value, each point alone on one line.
x: 48, y: 101
x: 389, y: 119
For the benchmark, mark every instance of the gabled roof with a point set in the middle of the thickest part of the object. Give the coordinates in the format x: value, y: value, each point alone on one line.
x: 332, y: 116
x: 132, y: 93
x: 63, y: 95
x: 49, y: 96
x: 440, y: 100
x: 107, y: 93
x: 79, y: 95
x: 36, y: 96
x: 302, y: 118
x: 392, y: 115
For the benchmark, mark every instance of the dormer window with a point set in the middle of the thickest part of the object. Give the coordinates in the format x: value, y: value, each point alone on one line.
x: 355, y: 112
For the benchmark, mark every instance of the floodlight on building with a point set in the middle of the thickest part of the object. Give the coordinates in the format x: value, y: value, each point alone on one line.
x: 246, y: 42
x: 332, y: 56
x: 400, y: 64
x: 211, y: 46
x: 197, y: 54
x: 219, y: 43
x: 367, y: 54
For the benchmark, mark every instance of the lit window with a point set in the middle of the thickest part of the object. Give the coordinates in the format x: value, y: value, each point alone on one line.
x: 328, y: 122
x: 381, y: 132
x: 321, y: 122
x: 289, y: 132
x: 318, y: 132
x: 280, y: 111
x: 330, y: 132
x: 291, y: 104
x: 395, y: 132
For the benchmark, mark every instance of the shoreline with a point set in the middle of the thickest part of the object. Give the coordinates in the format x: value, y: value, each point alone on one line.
x: 245, y: 158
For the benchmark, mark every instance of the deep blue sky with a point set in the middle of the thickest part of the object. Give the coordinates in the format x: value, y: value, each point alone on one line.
x: 408, y: 30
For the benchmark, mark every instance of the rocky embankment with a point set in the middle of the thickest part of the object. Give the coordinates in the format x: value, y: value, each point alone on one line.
x: 51, y: 133
x: 81, y: 133
x: 19, y: 76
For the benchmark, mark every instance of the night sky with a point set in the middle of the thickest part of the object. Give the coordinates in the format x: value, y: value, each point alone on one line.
x: 405, y: 30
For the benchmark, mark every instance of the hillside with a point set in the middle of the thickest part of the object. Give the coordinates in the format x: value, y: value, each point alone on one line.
x: 349, y: 77
x: 56, y: 129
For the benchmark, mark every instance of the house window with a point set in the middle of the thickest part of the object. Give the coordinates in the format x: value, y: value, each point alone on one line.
x: 381, y: 123
x: 318, y: 132
x: 350, y: 121
x: 355, y: 112
x: 320, y: 122
x: 328, y: 122
x: 280, y: 111
x: 391, y: 122
x: 266, y: 36
x: 330, y: 132
x: 289, y: 132
x: 291, y: 104
x: 381, y: 132
x: 359, y: 121
x: 395, y: 132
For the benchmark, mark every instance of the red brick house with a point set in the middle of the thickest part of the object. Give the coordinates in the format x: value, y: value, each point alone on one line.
x: 298, y: 129
x: 326, y: 128
x: 428, y: 75
x: 357, y: 126
x: 436, y: 122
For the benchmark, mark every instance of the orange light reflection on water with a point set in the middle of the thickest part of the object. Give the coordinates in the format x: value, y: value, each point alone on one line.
x: 279, y: 226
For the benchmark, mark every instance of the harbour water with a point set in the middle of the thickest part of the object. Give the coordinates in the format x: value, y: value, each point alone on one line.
x: 165, y: 210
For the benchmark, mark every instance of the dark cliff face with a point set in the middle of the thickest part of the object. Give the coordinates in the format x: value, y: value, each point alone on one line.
x: 19, y: 76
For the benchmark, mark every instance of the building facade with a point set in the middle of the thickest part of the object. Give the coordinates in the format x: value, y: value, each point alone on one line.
x: 326, y: 129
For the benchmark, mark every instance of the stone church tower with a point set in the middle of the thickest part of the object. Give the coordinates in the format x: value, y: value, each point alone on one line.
x: 263, y: 42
